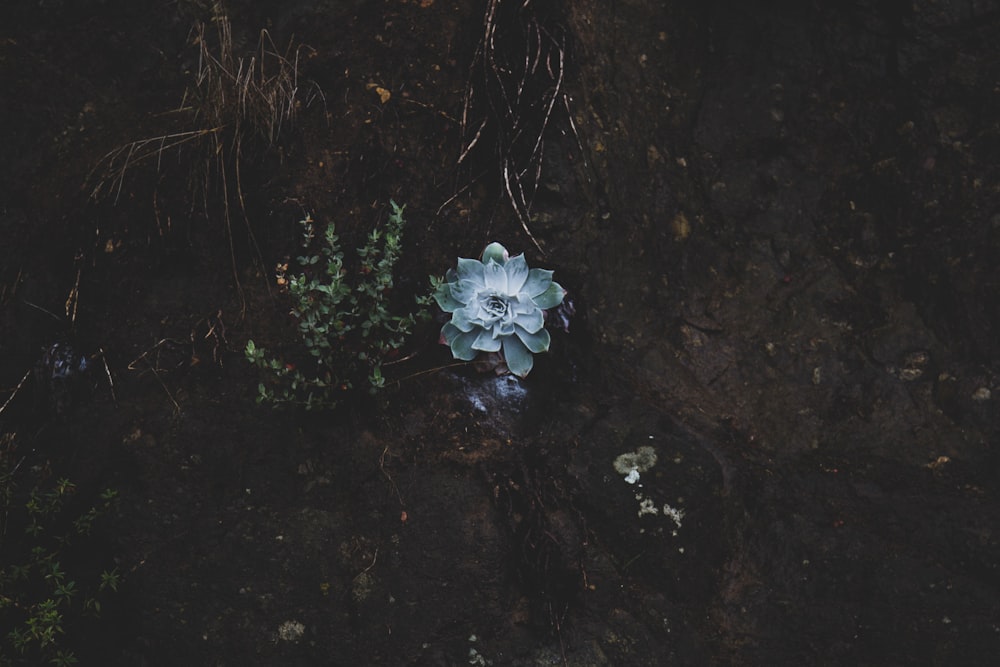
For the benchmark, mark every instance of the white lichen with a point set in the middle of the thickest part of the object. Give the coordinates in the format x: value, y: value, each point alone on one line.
x: 475, y: 657
x: 673, y: 513
x: 291, y: 631
x: 646, y: 506
x: 630, y: 465
x: 641, y: 460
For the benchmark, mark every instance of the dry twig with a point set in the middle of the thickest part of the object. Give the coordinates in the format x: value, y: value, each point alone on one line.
x: 515, y: 100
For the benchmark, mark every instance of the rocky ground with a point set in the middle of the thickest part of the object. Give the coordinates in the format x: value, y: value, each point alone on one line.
x: 778, y: 223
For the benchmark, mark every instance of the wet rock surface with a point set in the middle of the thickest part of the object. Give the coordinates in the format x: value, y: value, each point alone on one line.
x: 777, y: 222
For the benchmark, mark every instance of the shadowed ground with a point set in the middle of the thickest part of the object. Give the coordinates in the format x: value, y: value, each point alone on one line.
x: 778, y: 224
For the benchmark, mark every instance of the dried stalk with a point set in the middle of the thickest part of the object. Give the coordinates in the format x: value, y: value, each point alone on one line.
x: 518, y: 115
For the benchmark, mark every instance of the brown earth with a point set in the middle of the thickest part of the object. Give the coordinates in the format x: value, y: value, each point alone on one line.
x: 779, y: 222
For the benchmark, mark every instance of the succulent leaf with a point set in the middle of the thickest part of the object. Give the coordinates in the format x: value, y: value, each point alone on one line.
x: 461, y: 346
x: 496, y: 278
x: 551, y: 297
x: 517, y: 273
x: 538, y: 281
x: 497, y: 306
x: 470, y: 269
x: 536, y: 342
x: 445, y: 300
x: 496, y: 252
x: 486, y: 342
x: 518, y: 356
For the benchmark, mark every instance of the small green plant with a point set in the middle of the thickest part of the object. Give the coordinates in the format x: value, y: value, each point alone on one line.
x: 497, y: 307
x: 346, y: 326
x: 39, y: 598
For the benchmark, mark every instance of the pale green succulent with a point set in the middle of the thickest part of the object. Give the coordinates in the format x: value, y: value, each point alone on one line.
x: 497, y: 306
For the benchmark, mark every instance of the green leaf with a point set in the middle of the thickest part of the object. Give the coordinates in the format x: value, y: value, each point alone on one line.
x: 538, y: 281
x: 461, y: 346
x: 551, y: 297
x: 471, y: 269
x: 445, y: 300
x: 496, y: 252
x: 343, y: 319
x: 464, y: 319
x: 518, y: 357
x: 531, y: 321
x: 535, y: 342
x: 486, y: 342
x: 517, y: 273
x: 496, y: 278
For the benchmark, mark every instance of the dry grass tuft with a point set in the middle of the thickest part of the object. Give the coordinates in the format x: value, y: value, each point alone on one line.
x: 235, y: 105
x: 232, y: 101
x: 254, y: 95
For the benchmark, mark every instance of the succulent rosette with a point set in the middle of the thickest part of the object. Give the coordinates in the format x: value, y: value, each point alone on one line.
x: 497, y: 306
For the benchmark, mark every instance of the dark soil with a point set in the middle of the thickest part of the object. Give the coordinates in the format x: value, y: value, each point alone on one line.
x: 779, y: 223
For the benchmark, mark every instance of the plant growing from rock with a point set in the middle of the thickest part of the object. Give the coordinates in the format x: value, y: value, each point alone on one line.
x: 497, y: 307
x: 345, y: 325
x: 41, y: 593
